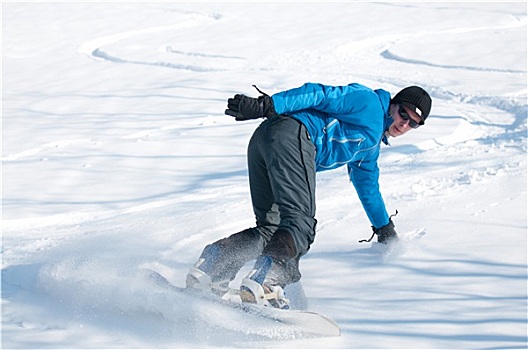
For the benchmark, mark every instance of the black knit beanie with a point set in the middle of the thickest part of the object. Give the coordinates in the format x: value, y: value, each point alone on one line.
x: 415, y: 98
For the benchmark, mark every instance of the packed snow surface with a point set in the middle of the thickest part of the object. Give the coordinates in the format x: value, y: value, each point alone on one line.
x: 117, y: 157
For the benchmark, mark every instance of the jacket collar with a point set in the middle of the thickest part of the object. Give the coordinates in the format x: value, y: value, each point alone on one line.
x: 384, y: 97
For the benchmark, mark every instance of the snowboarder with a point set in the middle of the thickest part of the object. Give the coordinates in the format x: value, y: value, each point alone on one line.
x: 307, y: 129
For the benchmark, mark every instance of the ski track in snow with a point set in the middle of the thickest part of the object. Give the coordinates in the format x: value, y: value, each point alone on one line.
x: 95, y: 48
x: 52, y: 266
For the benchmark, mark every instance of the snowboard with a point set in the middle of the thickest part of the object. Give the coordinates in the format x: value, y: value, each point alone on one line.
x: 308, y: 322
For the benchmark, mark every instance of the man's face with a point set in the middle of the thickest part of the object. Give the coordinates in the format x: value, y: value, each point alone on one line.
x: 400, y: 125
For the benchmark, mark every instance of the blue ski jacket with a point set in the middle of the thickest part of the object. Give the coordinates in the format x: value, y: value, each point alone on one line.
x: 347, y: 125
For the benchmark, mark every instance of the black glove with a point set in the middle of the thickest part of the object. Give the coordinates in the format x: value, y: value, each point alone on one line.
x: 387, y: 233
x: 245, y: 108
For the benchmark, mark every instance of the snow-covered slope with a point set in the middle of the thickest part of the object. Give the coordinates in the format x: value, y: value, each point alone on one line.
x: 116, y: 156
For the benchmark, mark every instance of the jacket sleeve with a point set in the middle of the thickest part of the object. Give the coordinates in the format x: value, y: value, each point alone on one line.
x: 365, y: 175
x: 346, y: 103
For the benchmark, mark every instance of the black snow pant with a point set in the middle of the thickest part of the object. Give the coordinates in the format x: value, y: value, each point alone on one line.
x: 281, y: 165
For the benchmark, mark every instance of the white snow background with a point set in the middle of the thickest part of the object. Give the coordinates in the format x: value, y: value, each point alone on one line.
x: 117, y: 156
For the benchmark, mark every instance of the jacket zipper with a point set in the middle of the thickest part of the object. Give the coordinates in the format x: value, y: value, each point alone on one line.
x: 329, y: 125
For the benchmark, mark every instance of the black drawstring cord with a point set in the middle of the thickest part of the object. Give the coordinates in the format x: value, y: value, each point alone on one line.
x: 374, y: 230
x: 368, y: 240
x: 262, y: 92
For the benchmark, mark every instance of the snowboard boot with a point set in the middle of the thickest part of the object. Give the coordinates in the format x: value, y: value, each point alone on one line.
x: 220, y: 261
x: 200, y: 274
x: 265, y: 284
